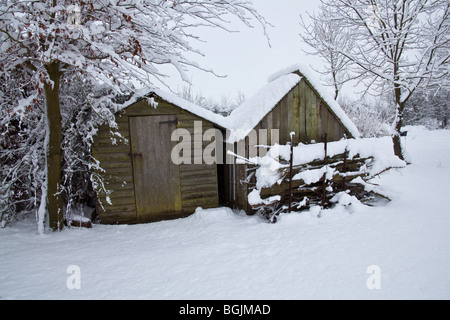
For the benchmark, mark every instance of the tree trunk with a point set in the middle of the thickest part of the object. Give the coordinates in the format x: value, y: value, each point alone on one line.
x: 54, y: 199
x: 336, y: 88
x: 398, y: 149
x: 396, y: 137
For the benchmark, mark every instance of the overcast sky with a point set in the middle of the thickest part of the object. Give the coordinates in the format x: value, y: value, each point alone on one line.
x: 245, y: 57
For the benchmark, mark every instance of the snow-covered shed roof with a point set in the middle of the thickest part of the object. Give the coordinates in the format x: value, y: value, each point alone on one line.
x: 247, y: 116
x: 178, y: 101
x: 244, y: 118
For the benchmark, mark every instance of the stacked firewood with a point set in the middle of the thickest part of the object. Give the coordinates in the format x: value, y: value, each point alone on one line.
x: 320, y: 183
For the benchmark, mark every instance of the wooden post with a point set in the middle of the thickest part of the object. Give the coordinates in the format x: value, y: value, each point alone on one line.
x: 344, y: 168
x: 247, y: 155
x: 324, y: 191
x: 290, y: 170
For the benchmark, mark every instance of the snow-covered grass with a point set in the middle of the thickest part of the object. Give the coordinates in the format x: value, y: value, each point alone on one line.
x: 220, y: 254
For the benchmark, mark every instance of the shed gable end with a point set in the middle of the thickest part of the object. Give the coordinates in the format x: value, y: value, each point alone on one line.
x: 303, y: 111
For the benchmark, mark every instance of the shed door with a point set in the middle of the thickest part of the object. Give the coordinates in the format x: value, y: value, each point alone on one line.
x: 156, y: 177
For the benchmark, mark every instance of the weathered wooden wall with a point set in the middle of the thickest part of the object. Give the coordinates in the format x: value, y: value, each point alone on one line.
x: 198, y: 182
x: 301, y: 111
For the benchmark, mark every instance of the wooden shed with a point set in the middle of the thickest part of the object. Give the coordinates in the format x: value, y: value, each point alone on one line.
x: 147, y: 185
x: 290, y: 102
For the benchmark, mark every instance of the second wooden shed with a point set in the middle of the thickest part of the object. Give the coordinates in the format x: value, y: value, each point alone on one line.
x: 292, y: 101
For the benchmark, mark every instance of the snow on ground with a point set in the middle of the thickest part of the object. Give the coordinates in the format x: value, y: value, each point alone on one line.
x: 220, y: 254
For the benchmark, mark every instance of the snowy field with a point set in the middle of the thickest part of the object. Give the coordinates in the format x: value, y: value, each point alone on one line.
x: 220, y: 254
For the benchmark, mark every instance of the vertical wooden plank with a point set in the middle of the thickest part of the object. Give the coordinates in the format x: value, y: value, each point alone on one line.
x: 319, y: 120
x: 269, y: 129
x: 330, y: 127
x: 336, y: 129
x: 261, y: 140
x: 276, y: 120
x: 284, y: 121
x: 290, y: 113
x: 314, y: 115
x: 295, y: 114
x: 251, y: 141
x: 260, y: 129
x: 174, y: 185
x: 263, y: 123
x: 302, y: 111
x: 323, y: 120
x: 310, y: 114
x: 137, y: 163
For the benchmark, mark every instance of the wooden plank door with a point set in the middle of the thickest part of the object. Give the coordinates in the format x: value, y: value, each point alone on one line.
x: 156, y: 177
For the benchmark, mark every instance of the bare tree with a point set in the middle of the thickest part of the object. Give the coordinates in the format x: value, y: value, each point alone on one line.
x: 323, y: 35
x: 399, y: 46
x: 114, y: 42
x: 223, y: 105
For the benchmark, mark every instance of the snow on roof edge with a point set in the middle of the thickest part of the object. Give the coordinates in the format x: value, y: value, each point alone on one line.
x: 247, y: 116
x: 191, y: 107
x: 177, y: 101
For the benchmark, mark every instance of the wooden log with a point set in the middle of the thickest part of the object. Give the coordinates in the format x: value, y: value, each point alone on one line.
x: 283, y: 187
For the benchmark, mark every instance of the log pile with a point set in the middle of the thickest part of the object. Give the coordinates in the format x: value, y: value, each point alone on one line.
x: 321, y: 182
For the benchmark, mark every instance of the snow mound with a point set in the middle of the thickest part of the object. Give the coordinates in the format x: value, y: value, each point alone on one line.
x: 214, y: 215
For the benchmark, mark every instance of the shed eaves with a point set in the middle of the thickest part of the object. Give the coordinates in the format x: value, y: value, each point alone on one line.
x: 178, y: 101
x: 246, y: 117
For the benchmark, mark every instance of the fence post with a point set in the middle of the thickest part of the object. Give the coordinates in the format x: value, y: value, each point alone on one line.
x: 290, y: 170
x: 344, y: 168
x: 324, y: 191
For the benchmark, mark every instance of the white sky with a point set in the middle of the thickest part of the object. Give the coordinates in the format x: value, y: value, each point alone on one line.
x: 245, y: 57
